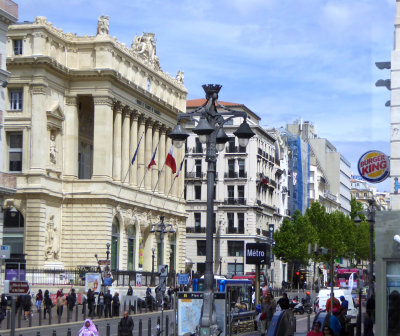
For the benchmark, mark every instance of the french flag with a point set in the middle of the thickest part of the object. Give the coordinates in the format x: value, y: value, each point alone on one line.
x: 180, y: 168
x: 170, y: 160
x: 152, y: 160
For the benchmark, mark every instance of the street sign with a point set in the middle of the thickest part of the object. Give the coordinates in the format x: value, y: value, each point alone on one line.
x: 16, y: 287
x: 104, y: 262
x: 5, y: 251
x: 183, y: 279
x: 256, y: 253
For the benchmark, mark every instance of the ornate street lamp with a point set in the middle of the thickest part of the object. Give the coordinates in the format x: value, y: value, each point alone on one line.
x: 209, y: 128
x: 162, y: 228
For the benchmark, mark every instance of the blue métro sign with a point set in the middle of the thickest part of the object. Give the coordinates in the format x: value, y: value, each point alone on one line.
x: 257, y: 253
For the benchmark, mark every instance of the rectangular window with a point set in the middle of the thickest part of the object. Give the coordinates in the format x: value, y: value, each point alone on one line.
x: 240, y: 222
x: 14, y: 151
x: 231, y: 145
x: 16, y: 99
x: 231, y: 222
x: 201, y: 247
x: 17, y: 45
x: 197, y: 192
x: 235, y: 248
x: 197, y: 222
x: 236, y: 268
x: 231, y: 168
x: 214, y: 222
x: 231, y: 192
x: 198, y: 167
x: 85, y: 159
x: 241, y: 192
x: 242, y: 168
x: 199, y: 146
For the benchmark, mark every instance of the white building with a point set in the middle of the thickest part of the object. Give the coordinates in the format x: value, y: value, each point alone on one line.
x: 248, y: 202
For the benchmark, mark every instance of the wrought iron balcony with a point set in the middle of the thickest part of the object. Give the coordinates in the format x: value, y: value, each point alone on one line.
x: 196, y: 229
x: 231, y: 174
x: 235, y: 201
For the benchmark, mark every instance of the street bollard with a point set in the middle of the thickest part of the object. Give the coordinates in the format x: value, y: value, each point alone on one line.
x: 38, y: 333
x: 166, y: 325
x: 8, y: 319
x: 84, y: 311
x: 108, y: 330
x: 40, y: 316
x: 76, y: 313
x: 149, y: 327
x: 140, y: 328
x: 54, y: 332
x: 69, y: 332
x: 59, y: 318
x: 30, y: 320
x: 19, y: 317
x: 308, y: 322
x: 97, y: 326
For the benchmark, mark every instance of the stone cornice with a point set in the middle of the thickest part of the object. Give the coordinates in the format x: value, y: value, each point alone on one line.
x: 38, y: 88
x: 103, y: 100
x: 71, y: 100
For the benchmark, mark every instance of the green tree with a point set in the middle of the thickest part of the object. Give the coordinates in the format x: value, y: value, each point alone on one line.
x: 292, y: 238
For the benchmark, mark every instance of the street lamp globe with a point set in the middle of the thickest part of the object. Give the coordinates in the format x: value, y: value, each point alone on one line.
x: 178, y: 135
x: 203, y: 129
x: 222, y: 138
x: 244, y: 133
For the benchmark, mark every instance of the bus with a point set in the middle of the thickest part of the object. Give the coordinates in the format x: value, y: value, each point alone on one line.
x: 343, y: 276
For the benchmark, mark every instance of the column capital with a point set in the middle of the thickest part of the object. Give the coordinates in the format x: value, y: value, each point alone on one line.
x: 149, y: 122
x: 127, y: 111
x: 134, y: 114
x: 103, y: 100
x: 117, y: 106
x: 71, y: 100
x: 163, y: 129
x: 157, y: 125
x: 38, y: 88
x: 142, y: 118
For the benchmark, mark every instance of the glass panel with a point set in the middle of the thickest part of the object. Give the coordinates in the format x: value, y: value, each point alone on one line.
x: 393, y: 298
x: 15, y: 140
x: 114, y: 252
x: 16, y: 241
x: 131, y: 254
x: 15, y: 162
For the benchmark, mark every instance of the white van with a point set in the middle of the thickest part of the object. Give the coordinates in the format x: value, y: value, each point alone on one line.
x: 324, y: 295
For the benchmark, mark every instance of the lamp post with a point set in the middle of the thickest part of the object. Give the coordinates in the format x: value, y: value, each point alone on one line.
x: 162, y: 228
x: 210, y: 130
x: 370, y: 213
x: 235, y: 265
x: 220, y: 265
x: 152, y: 267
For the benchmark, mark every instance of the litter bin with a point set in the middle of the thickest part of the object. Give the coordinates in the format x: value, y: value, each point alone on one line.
x: 350, y: 328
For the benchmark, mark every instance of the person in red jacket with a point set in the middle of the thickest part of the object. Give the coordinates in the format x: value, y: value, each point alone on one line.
x: 336, y: 304
x: 316, y: 331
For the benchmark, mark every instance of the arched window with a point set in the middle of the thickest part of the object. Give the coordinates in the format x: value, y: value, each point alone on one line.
x: 13, y: 234
x: 131, y: 248
x: 115, y: 244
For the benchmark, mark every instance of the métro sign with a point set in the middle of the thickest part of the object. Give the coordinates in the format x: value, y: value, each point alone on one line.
x: 16, y: 287
x: 257, y: 253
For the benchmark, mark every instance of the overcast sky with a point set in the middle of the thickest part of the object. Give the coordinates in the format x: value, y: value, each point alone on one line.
x: 284, y: 59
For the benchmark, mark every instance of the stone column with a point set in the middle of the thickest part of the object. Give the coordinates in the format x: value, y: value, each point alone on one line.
x: 161, y: 157
x: 140, y: 158
x: 103, y: 137
x: 71, y: 137
x: 117, y: 142
x: 156, y: 142
x: 125, y: 143
x: 148, y: 152
x: 168, y: 171
x: 39, y: 153
x: 135, y: 137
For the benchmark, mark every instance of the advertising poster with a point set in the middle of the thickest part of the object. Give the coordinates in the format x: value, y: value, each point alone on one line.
x: 140, y: 253
x: 138, y: 279
x: 93, y: 282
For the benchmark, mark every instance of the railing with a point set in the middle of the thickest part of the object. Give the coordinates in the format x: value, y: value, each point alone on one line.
x: 194, y: 174
x: 10, y: 7
x: 231, y: 174
x: 195, y: 229
x: 235, y: 201
x: 235, y: 230
x: 242, y: 174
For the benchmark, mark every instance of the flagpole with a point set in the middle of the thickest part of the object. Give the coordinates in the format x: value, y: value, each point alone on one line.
x: 158, y: 179
x: 133, y: 159
x: 194, y: 165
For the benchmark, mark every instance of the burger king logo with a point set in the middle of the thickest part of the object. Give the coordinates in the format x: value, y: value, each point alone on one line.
x: 373, y: 166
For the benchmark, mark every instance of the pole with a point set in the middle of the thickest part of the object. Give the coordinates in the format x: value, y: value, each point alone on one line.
x: 12, y: 331
x: 162, y: 231
x: 332, y: 265
x: 371, y: 222
x: 359, y: 312
x: 152, y: 269
x: 257, y: 284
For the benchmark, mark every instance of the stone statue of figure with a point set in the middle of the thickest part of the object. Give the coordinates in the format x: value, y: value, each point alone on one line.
x: 180, y: 76
x: 52, y: 241
x: 53, y: 149
x: 146, y: 45
x: 102, y: 25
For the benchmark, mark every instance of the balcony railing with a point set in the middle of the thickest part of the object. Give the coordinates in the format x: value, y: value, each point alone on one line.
x: 194, y: 175
x: 242, y: 174
x: 231, y: 174
x: 235, y: 230
x: 195, y: 229
x: 235, y: 201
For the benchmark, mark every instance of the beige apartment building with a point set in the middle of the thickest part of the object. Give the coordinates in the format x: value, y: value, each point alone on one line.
x: 77, y: 108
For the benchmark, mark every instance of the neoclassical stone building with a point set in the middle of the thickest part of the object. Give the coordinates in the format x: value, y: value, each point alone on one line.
x: 76, y: 110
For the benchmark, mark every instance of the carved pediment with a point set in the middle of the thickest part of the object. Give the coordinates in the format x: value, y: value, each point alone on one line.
x: 55, y: 116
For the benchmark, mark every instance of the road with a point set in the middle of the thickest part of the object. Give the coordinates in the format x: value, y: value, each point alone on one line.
x: 62, y: 329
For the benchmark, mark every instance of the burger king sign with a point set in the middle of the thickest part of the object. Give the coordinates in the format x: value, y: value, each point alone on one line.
x: 373, y: 166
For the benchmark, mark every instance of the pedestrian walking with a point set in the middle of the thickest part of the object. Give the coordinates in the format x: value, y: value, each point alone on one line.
x: 27, y: 306
x: 125, y: 325
x: 107, y: 304
x: 115, y: 304
x: 130, y: 291
x: 100, y: 304
x: 47, y: 304
x: 90, y: 302
x: 39, y: 300
x: 88, y: 329
x: 71, y: 300
x: 268, y: 307
x: 60, y: 305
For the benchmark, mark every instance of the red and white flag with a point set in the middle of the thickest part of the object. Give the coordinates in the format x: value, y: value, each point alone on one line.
x: 170, y: 160
x: 152, y: 160
x: 180, y: 168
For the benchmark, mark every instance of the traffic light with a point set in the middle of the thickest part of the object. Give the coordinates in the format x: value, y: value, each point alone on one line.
x: 297, y: 273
